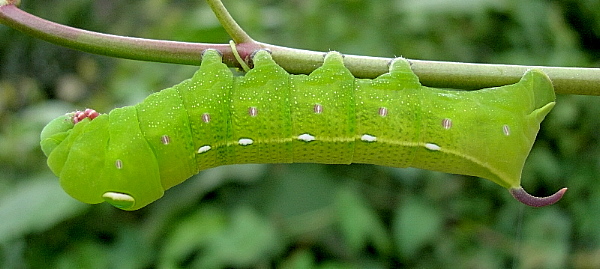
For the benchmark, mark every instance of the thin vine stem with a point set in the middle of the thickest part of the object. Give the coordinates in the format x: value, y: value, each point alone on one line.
x: 106, y: 44
x: 232, y: 28
x: 585, y: 81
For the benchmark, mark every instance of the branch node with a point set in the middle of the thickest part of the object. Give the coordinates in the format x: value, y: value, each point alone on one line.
x: 10, y: 2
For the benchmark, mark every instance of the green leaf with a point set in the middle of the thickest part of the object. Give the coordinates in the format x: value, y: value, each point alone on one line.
x: 302, y: 259
x: 416, y: 224
x: 191, y: 233
x: 359, y: 223
x: 248, y: 240
x: 85, y: 254
x: 545, y: 243
x: 35, y: 206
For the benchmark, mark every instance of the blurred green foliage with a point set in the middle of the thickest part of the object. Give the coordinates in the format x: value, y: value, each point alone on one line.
x: 303, y: 215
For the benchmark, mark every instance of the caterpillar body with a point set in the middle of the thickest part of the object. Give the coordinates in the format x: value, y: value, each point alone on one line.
x: 131, y: 155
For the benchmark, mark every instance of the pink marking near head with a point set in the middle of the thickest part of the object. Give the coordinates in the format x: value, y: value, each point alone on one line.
x: 87, y: 113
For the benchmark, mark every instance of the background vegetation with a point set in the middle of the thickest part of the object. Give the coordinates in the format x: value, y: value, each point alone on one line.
x: 303, y: 215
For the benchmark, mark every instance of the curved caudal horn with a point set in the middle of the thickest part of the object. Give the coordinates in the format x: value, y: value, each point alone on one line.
x: 522, y: 196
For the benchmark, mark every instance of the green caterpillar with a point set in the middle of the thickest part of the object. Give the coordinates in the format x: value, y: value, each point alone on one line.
x: 130, y: 156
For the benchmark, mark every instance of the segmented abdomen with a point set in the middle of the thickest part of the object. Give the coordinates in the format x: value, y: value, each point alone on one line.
x: 269, y: 116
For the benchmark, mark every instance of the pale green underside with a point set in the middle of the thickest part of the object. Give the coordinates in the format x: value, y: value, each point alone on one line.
x: 270, y: 116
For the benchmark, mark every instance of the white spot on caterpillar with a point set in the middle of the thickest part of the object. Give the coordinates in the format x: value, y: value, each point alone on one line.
x: 368, y: 138
x: 245, y: 141
x: 204, y: 149
x: 119, y: 200
x: 165, y: 139
x: 383, y: 111
x: 431, y: 146
x: 206, y: 117
x: 118, y: 197
x: 447, y: 123
x: 506, y: 130
x: 318, y: 109
x: 306, y: 137
x: 252, y: 111
x: 119, y: 164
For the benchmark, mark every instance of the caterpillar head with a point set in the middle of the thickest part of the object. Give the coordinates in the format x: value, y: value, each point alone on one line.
x: 79, y: 153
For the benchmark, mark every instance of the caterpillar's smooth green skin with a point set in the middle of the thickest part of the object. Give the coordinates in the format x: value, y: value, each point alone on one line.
x: 131, y: 155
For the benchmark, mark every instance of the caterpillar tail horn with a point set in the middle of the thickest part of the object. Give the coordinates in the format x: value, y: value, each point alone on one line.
x: 522, y: 196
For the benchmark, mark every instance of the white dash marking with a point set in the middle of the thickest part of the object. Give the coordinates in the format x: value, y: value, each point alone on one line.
x: 506, y: 130
x: 252, y: 111
x: 204, y: 149
x: 383, y: 111
x: 206, y: 117
x: 165, y: 139
x: 245, y: 141
x: 306, y: 137
x: 118, y: 197
x: 368, y: 138
x: 119, y: 164
x: 447, y: 123
x: 431, y: 146
x: 318, y: 109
